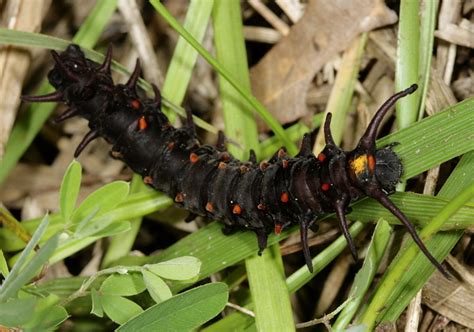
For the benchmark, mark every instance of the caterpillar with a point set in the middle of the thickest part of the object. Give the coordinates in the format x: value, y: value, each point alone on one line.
x: 261, y: 197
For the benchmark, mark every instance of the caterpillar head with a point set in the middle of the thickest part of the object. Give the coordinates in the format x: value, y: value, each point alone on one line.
x: 367, y: 171
x: 76, y: 79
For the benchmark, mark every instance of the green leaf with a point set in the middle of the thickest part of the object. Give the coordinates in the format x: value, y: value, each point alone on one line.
x: 183, y: 312
x: 239, y: 118
x: 158, y: 289
x: 3, y: 265
x: 185, y: 56
x: 181, y: 268
x: 123, y: 284
x: 96, y: 304
x: 119, y: 309
x: 114, y: 228
x: 105, y: 198
x: 272, y: 308
x: 16, y: 279
x: 47, y: 315
x: 429, y: 17
x: 33, y: 267
x: 70, y: 189
x: 407, y: 62
x: 17, y: 312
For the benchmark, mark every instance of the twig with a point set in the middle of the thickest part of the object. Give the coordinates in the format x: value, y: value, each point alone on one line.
x: 241, y: 309
x: 326, y: 318
x: 87, y: 283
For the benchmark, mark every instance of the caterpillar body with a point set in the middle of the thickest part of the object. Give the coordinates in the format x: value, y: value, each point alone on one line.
x: 206, y: 180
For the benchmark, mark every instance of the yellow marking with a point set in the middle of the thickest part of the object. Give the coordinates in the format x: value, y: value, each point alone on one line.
x: 359, y: 164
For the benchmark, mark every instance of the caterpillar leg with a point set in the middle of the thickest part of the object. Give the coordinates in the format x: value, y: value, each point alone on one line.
x: 340, y: 207
x: 220, y: 144
x: 262, y: 240
x: 304, y: 224
x: 252, y: 156
x: 191, y: 216
x: 190, y: 126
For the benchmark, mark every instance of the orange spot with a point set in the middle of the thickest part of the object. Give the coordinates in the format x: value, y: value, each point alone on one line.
x: 170, y: 146
x: 321, y: 157
x: 261, y: 206
x: 194, y: 158
x: 264, y: 165
x: 142, y: 124
x: 278, y: 229
x: 371, y: 162
x: 243, y: 169
x: 284, y: 197
x: 148, y: 180
x: 359, y: 164
x: 221, y: 165
x: 224, y: 156
x: 325, y: 186
x: 281, y: 153
x: 285, y: 163
x: 179, y: 198
x: 236, y: 209
x: 209, y: 207
x: 135, y: 104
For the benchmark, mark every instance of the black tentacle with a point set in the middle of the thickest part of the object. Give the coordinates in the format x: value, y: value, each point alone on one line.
x: 304, y: 242
x: 90, y: 136
x: 388, y: 204
x: 133, y: 80
x: 105, y: 67
x: 340, y: 207
x: 56, y: 96
x: 71, y: 112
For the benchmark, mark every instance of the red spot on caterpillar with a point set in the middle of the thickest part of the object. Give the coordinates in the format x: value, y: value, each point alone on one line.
x: 284, y: 197
x: 285, y: 163
x: 179, y: 198
x: 209, y: 207
x: 148, y: 180
x: 321, y: 157
x: 261, y: 206
x: 278, y: 229
x: 224, y: 156
x: 142, y: 124
x: 170, y: 146
x: 325, y: 186
x: 194, y: 158
x: 236, y: 209
x: 221, y: 165
x: 371, y: 162
x: 135, y: 104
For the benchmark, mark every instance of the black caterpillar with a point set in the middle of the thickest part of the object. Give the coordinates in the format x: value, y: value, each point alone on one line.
x: 206, y: 180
